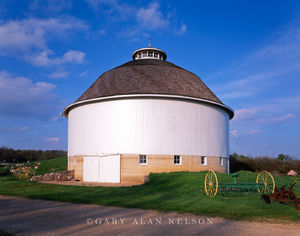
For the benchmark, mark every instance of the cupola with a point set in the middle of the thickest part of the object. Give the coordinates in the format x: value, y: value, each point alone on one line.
x: 149, y: 53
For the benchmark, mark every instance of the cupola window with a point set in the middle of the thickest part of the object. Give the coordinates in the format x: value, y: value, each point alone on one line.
x: 149, y: 53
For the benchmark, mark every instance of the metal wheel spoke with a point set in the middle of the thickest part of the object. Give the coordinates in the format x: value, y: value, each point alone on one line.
x: 265, y: 182
x: 211, y: 183
x: 264, y: 178
x: 265, y: 190
x: 260, y: 179
x: 271, y: 188
x: 268, y: 179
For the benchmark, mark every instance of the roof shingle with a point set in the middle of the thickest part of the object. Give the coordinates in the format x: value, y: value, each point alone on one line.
x: 149, y: 76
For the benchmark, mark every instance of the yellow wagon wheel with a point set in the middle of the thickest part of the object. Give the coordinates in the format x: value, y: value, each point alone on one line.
x: 211, y: 183
x: 265, y: 182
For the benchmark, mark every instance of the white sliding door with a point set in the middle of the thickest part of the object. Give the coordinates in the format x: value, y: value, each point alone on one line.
x: 105, y: 169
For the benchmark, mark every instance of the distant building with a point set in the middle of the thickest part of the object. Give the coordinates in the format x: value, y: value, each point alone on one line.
x: 292, y: 173
x: 147, y: 115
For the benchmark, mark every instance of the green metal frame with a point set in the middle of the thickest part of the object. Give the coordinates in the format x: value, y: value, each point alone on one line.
x: 264, y: 184
x: 239, y: 187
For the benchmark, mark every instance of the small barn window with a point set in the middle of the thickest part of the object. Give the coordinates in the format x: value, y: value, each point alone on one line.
x: 144, y: 54
x: 203, y: 160
x: 156, y: 55
x: 142, y: 159
x: 177, y: 160
x: 74, y: 160
x: 150, y: 54
x: 221, y: 161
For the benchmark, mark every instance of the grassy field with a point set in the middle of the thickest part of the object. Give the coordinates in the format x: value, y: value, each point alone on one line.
x: 180, y: 192
x: 51, y: 165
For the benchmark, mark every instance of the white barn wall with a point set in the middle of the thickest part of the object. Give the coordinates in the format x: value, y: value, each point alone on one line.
x: 148, y: 126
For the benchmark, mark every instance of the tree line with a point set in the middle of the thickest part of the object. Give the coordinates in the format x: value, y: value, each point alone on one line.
x: 9, y: 155
x: 280, y: 165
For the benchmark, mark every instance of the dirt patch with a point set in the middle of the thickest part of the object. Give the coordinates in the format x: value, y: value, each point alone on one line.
x: 80, y: 183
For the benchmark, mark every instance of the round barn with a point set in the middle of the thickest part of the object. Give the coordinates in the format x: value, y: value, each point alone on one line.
x: 146, y: 116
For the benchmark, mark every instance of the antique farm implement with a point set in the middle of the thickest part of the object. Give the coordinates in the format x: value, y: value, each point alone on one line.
x: 286, y: 196
x: 264, y: 184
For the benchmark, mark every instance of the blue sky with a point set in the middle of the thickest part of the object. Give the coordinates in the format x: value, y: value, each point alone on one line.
x: 247, y: 52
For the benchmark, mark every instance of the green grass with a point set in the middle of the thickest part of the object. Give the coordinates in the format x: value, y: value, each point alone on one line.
x: 51, y: 165
x: 180, y: 192
x: 296, y: 179
x: 4, y: 170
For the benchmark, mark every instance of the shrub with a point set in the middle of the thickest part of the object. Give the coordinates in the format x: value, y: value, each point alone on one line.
x: 23, y: 172
x: 282, y: 164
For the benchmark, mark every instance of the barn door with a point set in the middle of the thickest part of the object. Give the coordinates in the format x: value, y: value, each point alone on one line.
x: 110, y: 169
x: 91, y: 169
x: 105, y: 169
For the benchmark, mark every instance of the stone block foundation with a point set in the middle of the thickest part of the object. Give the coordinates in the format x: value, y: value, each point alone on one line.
x: 133, y: 173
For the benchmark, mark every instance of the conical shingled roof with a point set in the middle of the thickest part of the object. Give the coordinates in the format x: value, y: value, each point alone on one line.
x: 149, y: 76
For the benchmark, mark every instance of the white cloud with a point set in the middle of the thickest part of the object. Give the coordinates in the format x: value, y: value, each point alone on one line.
x: 271, y: 111
x: 182, y: 29
x: 151, y: 17
x: 254, y: 131
x: 59, y: 74
x: 250, y: 85
x: 20, y: 129
x: 278, y: 119
x: 28, y: 39
x: 50, y: 5
x: 34, y: 33
x: 293, y: 101
x: 55, y: 118
x: 101, y: 32
x: 83, y: 74
x: 73, y: 56
x: 46, y: 58
x: 21, y: 97
x: 146, y: 18
x: 116, y: 9
x: 24, y: 128
x: 53, y: 140
x: 94, y: 4
x: 274, y: 64
x: 245, y: 113
x: 42, y: 58
x: 234, y: 133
